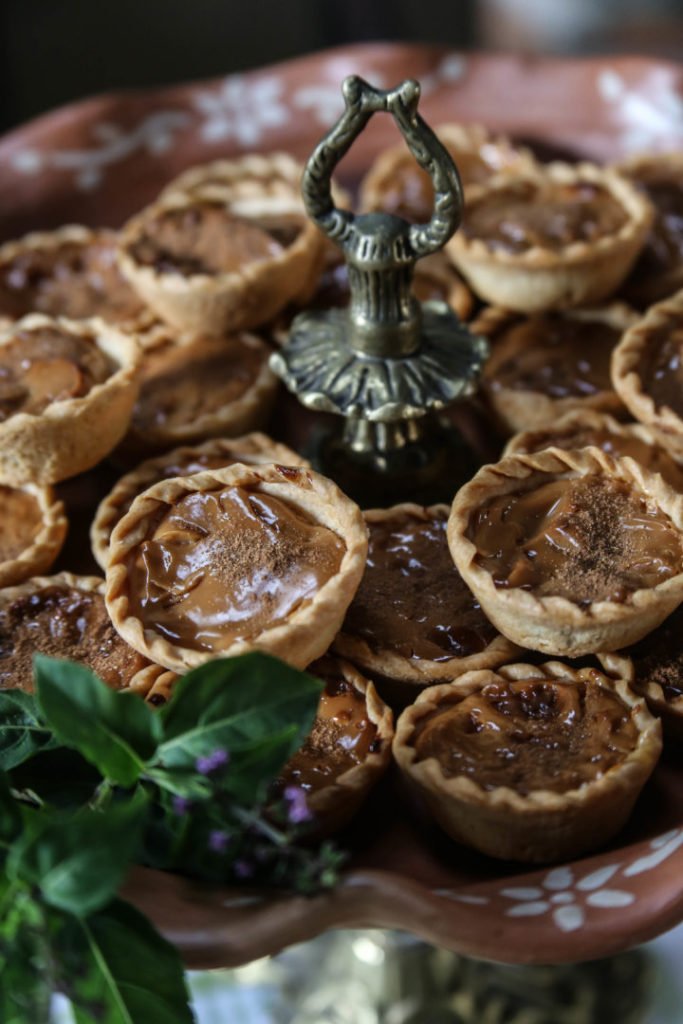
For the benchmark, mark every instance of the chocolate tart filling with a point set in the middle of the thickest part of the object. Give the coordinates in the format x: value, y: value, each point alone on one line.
x: 664, y: 248
x: 658, y: 658
x: 662, y: 369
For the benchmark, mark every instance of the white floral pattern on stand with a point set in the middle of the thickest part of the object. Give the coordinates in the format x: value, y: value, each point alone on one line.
x: 242, y: 110
x: 645, y: 120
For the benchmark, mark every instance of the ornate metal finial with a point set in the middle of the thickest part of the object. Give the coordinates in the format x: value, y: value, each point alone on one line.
x: 388, y: 361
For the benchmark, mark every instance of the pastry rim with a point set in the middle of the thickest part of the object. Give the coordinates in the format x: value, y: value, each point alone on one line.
x: 308, y: 631
x: 422, y: 672
x: 228, y: 173
x: 556, y: 620
x: 621, y: 665
x: 43, y: 549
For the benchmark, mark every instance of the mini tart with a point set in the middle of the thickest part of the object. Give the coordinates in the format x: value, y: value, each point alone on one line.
x: 547, y: 364
x: 396, y: 184
x: 67, y: 390
x: 570, y: 552
x: 250, y: 182
x: 654, y: 668
x: 252, y: 449
x: 413, y: 617
x: 347, y: 751
x: 234, y: 560
x: 65, y: 616
x: 32, y: 531
x: 194, y: 389
x: 647, y: 372
x: 659, y: 269
x: 585, y: 428
x: 529, y: 763
x: 71, y: 272
x: 206, y: 269
x: 560, y: 236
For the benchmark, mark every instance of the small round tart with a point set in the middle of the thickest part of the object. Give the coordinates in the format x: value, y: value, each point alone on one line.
x: 347, y: 751
x: 585, y: 428
x: 70, y: 272
x: 560, y: 236
x: 659, y: 269
x: 207, y: 269
x: 234, y: 560
x: 32, y: 531
x: 530, y: 763
x: 570, y: 552
x: 544, y: 365
x: 647, y: 372
x: 67, y: 389
x: 413, y: 617
x: 252, y: 449
x: 251, y: 183
x: 396, y: 184
x: 201, y: 388
x: 654, y: 668
x: 65, y: 616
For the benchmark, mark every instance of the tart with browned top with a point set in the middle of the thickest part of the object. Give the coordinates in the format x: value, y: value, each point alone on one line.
x: 32, y: 531
x: 531, y: 763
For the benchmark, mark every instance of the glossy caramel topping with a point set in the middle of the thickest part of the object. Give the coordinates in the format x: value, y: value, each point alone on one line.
x: 555, y: 354
x: 341, y: 738
x: 20, y: 521
x: 662, y: 367
x: 180, y: 383
x: 664, y: 248
x: 658, y: 657
x: 548, y: 215
x: 75, y: 279
x: 533, y: 734
x: 225, y: 565
x: 63, y: 622
x: 586, y: 539
x: 204, y: 239
x: 45, y: 365
x: 412, y: 600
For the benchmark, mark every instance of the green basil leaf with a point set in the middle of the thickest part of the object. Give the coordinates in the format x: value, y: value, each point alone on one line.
x: 78, y: 861
x: 236, y: 704
x: 117, y: 969
x: 181, y: 782
x: 252, y: 770
x: 22, y: 731
x: 61, y: 778
x: 25, y: 978
x: 116, y: 732
x: 10, y: 816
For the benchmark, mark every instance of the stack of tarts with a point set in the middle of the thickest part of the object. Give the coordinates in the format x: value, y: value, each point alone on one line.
x: 527, y: 632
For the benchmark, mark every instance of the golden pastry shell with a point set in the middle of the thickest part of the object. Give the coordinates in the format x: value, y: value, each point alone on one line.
x: 620, y: 665
x: 42, y: 550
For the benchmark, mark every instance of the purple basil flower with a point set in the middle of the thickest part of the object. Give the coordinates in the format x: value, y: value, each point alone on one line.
x: 218, y: 841
x: 181, y: 804
x: 243, y: 869
x: 298, y: 811
x: 212, y: 762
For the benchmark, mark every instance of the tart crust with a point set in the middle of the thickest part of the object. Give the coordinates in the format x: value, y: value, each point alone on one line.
x: 310, y: 628
x: 518, y: 409
x: 391, y: 665
x: 543, y: 825
x: 252, y: 448
x: 541, y: 278
x: 40, y: 553
x: 553, y: 624
x: 74, y: 434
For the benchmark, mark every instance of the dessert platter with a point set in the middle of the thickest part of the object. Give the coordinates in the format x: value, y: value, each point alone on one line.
x: 498, y: 741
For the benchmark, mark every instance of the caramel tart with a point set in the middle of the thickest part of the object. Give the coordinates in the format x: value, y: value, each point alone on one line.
x: 67, y: 389
x: 529, y: 763
x: 65, y: 616
x: 347, y: 751
x: 556, y: 237
x: 413, y: 617
x: 252, y: 449
x: 647, y: 372
x: 547, y: 364
x: 32, y: 531
x: 234, y: 560
x: 570, y: 552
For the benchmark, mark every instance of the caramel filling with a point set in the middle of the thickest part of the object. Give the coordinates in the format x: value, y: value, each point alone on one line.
x: 342, y: 737
x: 587, y: 539
x: 549, y: 216
x: 45, y: 365
x: 20, y: 522
x: 207, y: 239
x: 658, y: 657
x: 222, y: 566
x: 412, y: 600
x: 662, y: 370
x: 664, y: 249
x: 534, y: 734
x: 557, y: 355
x: 181, y: 383
x: 74, y: 280
x: 63, y: 622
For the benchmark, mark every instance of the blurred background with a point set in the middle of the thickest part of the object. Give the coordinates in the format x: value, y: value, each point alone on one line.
x: 54, y: 51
